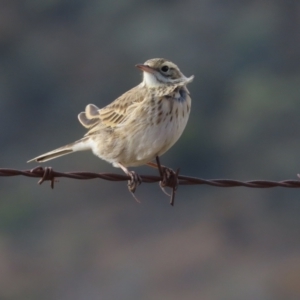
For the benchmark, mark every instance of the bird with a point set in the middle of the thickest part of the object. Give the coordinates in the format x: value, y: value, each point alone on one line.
x: 138, y: 126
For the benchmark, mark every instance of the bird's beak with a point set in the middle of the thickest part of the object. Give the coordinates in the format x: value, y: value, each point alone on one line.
x: 145, y: 68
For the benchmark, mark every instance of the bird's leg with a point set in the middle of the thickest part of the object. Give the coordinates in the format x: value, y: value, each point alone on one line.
x: 134, y: 182
x: 156, y: 166
x: 161, y: 169
x: 169, y: 178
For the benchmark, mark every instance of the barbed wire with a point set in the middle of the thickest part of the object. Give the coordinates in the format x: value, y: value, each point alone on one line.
x: 167, y: 178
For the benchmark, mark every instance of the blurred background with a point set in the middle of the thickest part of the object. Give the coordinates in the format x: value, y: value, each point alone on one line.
x: 90, y: 239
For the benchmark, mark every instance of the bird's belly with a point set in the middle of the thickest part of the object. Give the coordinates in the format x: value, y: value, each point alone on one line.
x: 143, y: 138
x: 155, y: 139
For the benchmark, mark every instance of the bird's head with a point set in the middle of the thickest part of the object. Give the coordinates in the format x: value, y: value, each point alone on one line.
x: 159, y: 71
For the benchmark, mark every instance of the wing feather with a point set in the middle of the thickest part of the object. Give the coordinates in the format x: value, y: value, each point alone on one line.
x: 113, y: 114
x: 87, y: 123
x: 92, y: 111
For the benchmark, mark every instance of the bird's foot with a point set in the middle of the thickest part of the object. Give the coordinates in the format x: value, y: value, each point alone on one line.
x: 169, y: 178
x: 133, y: 183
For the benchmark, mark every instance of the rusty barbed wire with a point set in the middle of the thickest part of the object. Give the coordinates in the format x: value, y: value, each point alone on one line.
x: 48, y: 173
x: 167, y: 178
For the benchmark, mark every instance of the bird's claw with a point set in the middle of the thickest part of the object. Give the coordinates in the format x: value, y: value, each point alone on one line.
x: 170, y: 179
x: 134, y: 182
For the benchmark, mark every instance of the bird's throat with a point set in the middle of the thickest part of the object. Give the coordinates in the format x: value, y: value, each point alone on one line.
x: 150, y: 80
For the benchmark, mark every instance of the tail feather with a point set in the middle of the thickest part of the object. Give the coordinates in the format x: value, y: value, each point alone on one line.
x: 74, y: 147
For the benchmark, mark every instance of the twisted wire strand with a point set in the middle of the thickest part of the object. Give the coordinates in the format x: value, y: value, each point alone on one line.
x: 48, y: 173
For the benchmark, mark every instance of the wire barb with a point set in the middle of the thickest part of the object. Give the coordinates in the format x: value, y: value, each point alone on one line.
x: 47, y: 175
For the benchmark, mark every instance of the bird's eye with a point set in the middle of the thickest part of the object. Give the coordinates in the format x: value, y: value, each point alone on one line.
x: 165, y: 68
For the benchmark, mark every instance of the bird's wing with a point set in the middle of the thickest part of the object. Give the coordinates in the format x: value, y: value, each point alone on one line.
x: 113, y: 114
x: 90, y: 117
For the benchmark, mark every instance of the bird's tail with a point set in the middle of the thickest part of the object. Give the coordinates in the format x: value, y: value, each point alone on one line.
x: 79, y: 145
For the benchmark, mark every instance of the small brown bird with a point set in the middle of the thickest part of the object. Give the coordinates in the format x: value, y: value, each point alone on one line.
x: 139, y: 125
